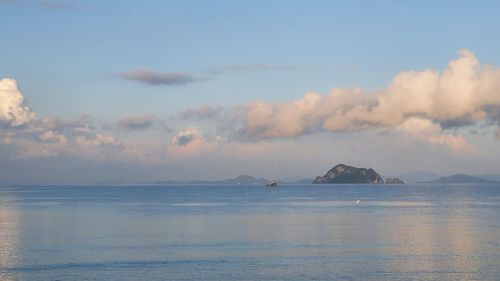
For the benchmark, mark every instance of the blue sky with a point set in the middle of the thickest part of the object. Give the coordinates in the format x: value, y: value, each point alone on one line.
x: 69, y: 57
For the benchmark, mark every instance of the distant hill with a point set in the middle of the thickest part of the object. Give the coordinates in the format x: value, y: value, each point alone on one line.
x: 418, y: 176
x: 460, y: 178
x: 490, y: 177
x: 167, y: 182
x: 302, y: 181
x: 243, y: 179
x: 348, y: 174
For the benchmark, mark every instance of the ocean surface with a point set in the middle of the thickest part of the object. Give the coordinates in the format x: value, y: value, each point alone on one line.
x: 306, y: 232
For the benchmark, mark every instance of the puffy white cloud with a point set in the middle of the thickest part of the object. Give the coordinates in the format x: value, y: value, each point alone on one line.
x: 464, y: 93
x: 425, y: 130
x: 13, y: 109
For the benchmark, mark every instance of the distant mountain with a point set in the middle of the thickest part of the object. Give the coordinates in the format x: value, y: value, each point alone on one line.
x: 302, y: 181
x: 243, y: 179
x: 460, y: 178
x: 166, y: 182
x: 418, y: 176
x: 348, y: 174
x: 490, y: 177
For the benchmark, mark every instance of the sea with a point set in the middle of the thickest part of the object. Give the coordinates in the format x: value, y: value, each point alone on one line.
x: 236, y: 232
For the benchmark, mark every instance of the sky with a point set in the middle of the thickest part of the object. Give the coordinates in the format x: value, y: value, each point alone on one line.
x: 96, y: 91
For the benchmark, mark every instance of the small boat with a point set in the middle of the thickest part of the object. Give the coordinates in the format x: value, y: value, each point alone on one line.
x: 272, y: 184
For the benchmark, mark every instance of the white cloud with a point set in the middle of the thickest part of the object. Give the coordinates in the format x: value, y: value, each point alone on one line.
x: 464, y: 93
x: 13, y: 108
x: 421, y: 129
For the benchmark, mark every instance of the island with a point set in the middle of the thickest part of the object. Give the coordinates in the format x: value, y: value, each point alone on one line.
x: 394, y: 181
x: 348, y: 174
x: 460, y: 178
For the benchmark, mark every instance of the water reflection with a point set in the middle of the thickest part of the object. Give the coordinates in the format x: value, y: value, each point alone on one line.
x: 9, y: 240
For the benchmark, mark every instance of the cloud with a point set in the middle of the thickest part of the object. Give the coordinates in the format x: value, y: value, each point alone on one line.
x: 98, y: 140
x: 158, y: 78
x: 53, y: 137
x: 187, y: 136
x: 45, y: 144
x: 106, y: 148
x: 464, y: 93
x: 190, y: 142
x: 25, y: 136
x: 204, y: 111
x: 13, y: 108
x: 153, y: 78
x: 245, y: 67
x: 426, y: 130
x: 138, y: 122
x: 81, y: 125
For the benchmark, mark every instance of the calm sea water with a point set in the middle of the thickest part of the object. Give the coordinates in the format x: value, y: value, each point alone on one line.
x: 314, y: 232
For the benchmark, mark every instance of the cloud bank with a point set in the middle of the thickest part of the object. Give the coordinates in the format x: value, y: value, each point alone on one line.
x: 419, y: 106
x: 465, y: 93
x: 26, y: 136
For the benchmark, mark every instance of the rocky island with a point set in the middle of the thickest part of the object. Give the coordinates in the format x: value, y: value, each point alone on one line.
x: 347, y: 174
x: 394, y: 181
